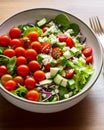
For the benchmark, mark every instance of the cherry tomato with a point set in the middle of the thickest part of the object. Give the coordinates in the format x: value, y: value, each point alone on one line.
x: 5, y: 78
x: 15, y: 32
x: 30, y: 83
x: 69, y: 73
x: 15, y: 43
x: 39, y: 75
x: 25, y: 42
x: 45, y: 47
x: 87, y: 51
x: 9, y: 52
x: 4, y: 40
x: 47, y: 67
x: 20, y: 51
x: 33, y: 36
x: 33, y: 95
x: 69, y: 42
x: 3, y: 70
x: 20, y: 60
x: 34, y: 65
x: 19, y: 80
x: 89, y: 60
x: 30, y: 54
x: 56, y: 52
x: 44, y: 29
x: 23, y: 70
x: 10, y: 85
x: 62, y: 37
x: 36, y: 46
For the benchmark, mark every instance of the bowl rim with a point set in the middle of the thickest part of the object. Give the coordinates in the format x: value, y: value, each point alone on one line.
x: 64, y: 100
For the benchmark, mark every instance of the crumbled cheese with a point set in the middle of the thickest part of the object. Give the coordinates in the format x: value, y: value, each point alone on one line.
x: 53, y: 39
x: 74, y: 50
x: 42, y: 39
x: 47, y: 59
x: 67, y: 54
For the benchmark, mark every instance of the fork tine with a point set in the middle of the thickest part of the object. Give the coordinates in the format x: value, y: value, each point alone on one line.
x: 96, y: 25
x: 97, y: 19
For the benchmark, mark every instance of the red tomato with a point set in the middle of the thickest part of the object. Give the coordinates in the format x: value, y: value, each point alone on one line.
x: 47, y: 67
x: 15, y: 32
x: 89, y: 60
x: 69, y: 73
x: 9, y: 52
x: 3, y: 70
x: 45, y: 29
x: 36, y: 46
x: 56, y: 52
x: 15, y: 43
x: 33, y: 36
x: 33, y: 95
x: 4, y: 40
x: 25, y: 42
x: 30, y: 54
x: 34, y: 65
x: 69, y: 42
x: 87, y: 51
x: 10, y: 85
x: 62, y: 37
x: 19, y: 80
x: 30, y: 83
x: 39, y: 75
x: 20, y: 51
x: 23, y: 70
x: 20, y: 60
x: 45, y: 47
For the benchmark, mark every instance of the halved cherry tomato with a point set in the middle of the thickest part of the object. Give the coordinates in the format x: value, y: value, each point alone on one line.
x: 45, y: 47
x: 87, y: 51
x: 39, y: 75
x: 30, y: 54
x: 20, y: 60
x: 30, y: 83
x: 45, y: 29
x: 33, y: 36
x: 3, y: 70
x: 20, y: 51
x: 10, y: 85
x: 62, y: 37
x: 34, y: 65
x: 15, y: 32
x: 36, y: 46
x: 89, y: 60
x: 47, y: 67
x: 9, y: 52
x: 33, y: 95
x: 69, y: 73
x: 69, y: 42
x: 25, y: 41
x: 19, y: 80
x: 56, y: 52
x: 22, y: 70
x: 15, y: 43
x: 4, y: 40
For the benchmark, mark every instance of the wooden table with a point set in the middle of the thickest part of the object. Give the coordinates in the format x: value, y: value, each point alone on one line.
x: 86, y: 115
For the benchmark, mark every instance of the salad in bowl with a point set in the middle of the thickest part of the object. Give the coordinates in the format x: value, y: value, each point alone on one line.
x: 47, y: 61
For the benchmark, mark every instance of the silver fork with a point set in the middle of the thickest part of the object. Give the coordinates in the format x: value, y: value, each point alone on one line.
x: 98, y: 29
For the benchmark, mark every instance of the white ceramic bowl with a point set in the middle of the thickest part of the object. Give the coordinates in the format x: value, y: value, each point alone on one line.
x: 30, y: 16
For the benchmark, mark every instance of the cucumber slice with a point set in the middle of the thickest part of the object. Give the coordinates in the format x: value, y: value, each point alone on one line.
x: 45, y: 82
x: 58, y: 79
x: 42, y: 22
x: 54, y: 71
